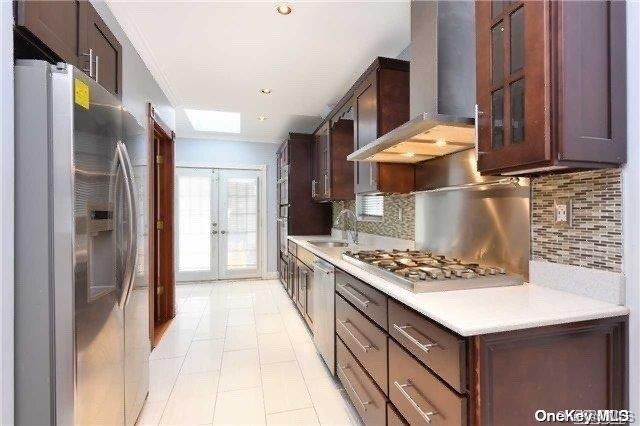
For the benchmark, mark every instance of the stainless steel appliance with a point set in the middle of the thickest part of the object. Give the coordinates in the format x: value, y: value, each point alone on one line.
x: 324, y: 327
x: 82, y: 334
x: 423, y: 271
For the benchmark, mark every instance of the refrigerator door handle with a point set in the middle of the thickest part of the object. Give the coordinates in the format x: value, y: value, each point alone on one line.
x: 123, y: 158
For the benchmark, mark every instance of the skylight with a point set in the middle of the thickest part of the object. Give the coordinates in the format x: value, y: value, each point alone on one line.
x: 214, y: 121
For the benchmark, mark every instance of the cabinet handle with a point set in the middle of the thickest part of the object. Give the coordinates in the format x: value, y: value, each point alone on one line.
x: 365, y: 348
x: 90, y: 70
x: 97, y: 68
x: 478, y: 113
x: 327, y: 190
x: 426, y: 347
x: 343, y: 369
x: 313, y: 188
x: 364, y: 303
x: 425, y: 415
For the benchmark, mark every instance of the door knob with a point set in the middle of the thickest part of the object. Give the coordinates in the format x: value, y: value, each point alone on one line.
x: 214, y: 224
x: 214, y: 232
x: 223, y: 232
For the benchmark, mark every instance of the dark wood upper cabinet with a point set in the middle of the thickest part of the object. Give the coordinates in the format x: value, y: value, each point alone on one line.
x: 297, y: 213
x: 381, y: 103
x: 54, y: 24
x: 97, y: 43
x: 71, y: 32
x: 377, y: 103
x: 550, y: 85
x: 333, y: 174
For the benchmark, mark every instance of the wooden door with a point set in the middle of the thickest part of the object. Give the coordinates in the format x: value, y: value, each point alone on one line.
x: 365, y: 131
x: 160, y: 227
x: 98, y: 44
x: 54, y: 23
x: 513, y: 67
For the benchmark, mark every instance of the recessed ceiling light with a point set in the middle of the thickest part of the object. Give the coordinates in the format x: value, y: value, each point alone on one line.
x: 266, y: 91
x: 284, y: 9
x: 214, y: 121
x: 262, y: 118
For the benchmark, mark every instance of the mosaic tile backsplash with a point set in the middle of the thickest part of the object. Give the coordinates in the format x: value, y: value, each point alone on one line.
x: 595, y: 239
x: 390, y: 226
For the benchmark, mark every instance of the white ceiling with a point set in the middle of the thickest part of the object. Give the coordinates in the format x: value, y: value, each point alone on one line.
x: 218, y: 55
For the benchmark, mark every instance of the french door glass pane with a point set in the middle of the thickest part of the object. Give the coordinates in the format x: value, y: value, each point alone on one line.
x: 517, y: 39
x: 194, y: 198
x: 242, y: 223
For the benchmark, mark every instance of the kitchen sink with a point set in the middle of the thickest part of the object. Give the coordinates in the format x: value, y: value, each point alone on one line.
x: 329, y: 243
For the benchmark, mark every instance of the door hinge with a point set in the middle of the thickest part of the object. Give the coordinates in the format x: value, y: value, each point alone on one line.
x: 160, y: 225
x: 159, y: 159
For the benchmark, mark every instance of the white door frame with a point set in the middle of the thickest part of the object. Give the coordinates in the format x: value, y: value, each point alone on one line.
x: 262, y: 205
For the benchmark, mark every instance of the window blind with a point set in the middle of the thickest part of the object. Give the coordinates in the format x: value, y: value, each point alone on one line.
x: 370, y: 206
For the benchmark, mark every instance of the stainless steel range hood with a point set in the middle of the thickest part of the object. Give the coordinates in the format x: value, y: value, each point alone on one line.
x: 442, y: 87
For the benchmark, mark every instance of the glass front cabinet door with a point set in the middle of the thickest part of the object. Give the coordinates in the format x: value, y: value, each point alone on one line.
x: 512, y: 64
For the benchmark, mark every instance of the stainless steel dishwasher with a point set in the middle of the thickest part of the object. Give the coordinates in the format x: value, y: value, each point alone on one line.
x: 324, y: 326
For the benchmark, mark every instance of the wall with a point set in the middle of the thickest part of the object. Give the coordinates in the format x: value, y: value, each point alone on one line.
x: 6, y: 213
x: 208, y: 152
x: 595, y: 238
x: 391, y: 225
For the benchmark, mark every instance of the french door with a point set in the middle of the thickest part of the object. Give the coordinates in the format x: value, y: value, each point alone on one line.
x: 218, y: 226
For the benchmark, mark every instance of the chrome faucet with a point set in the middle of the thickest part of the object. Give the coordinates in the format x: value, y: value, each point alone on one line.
x: 354, y: 232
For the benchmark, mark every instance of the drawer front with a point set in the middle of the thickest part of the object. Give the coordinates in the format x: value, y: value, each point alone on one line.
x: 419, y: 396
x: 305, y: 256
x: 369, y: 301
x: 366, y: 341
x: 393, y: 417
x: 370, y: 403
x: 292, y: 247
x: 440, y: 350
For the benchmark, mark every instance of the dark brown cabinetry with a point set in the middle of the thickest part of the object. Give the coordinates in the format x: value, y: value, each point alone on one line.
x: 71, y: 32
x: 424, y: 373
x: 550, y: 85
x: 381, y: 103
x: 377, y: 103
x: 333, y: 174
x: 99, y: 45
x: 297, y: 279
x: 297, y: 213
x: 54, y: 26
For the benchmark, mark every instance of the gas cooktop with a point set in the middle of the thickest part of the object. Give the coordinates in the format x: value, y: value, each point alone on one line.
x: 423, y: 271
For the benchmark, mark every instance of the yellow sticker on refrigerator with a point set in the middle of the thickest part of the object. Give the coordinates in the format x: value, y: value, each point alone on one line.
x: 82, y: 93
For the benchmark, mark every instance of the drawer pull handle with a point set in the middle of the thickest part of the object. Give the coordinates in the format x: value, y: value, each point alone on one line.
x: 345, y: 288
x: 425, y: 415
x: 424, y: 346
x: 364, y: 347
x: 343, y: 370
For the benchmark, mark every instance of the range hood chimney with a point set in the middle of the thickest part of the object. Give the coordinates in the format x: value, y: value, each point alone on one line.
x: 442, y: 87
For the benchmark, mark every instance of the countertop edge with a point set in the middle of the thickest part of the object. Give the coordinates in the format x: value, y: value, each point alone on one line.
x: 561, y: 318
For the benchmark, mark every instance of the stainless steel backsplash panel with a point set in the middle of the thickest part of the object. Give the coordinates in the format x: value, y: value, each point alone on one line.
x: 490, y: 225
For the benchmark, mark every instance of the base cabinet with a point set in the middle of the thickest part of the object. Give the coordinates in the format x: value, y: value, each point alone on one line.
x: 436, y: 377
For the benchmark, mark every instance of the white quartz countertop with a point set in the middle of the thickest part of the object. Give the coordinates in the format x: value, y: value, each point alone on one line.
x: 480, y: 311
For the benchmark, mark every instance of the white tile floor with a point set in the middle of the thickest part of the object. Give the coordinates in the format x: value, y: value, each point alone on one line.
x: 239, y: 353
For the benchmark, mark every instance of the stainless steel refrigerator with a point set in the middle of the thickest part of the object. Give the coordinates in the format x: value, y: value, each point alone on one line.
x: 82, y: 316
